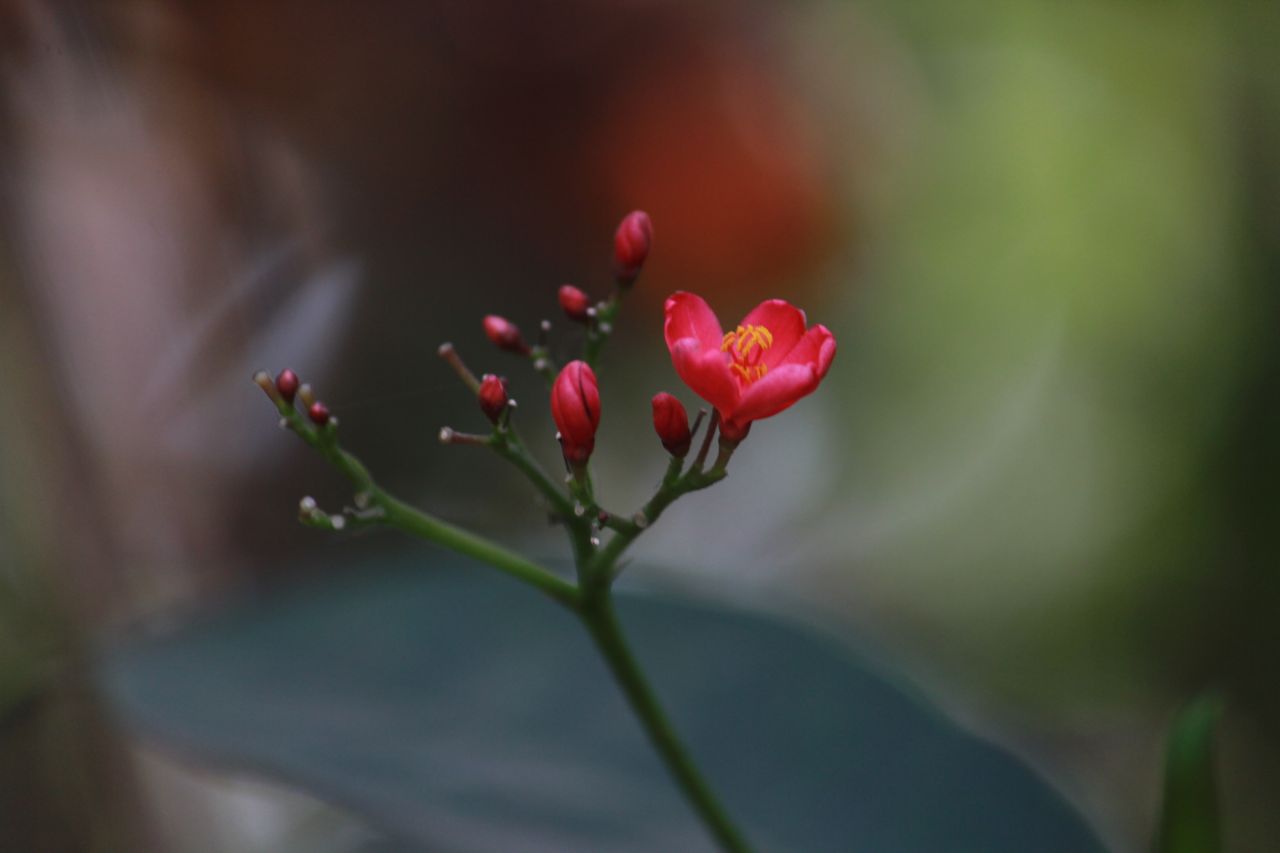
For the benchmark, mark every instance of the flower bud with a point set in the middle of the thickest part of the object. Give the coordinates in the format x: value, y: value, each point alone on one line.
x: 287, y: 384
x: 493, y: 396
x: 631, y: 244
x: 504, y: 334
x: 671, y: 422
x: 319, y: 413
x: 574, y: 302
x: 263, y: 380
x: 575, y: 407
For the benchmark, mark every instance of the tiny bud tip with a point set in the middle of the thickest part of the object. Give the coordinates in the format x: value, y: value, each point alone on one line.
x: 319, y: 413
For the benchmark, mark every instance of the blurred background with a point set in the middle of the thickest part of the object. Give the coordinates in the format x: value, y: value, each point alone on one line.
x: 1042, y: 474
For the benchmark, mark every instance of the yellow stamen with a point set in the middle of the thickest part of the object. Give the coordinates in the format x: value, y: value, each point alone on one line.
x: 746, y: 346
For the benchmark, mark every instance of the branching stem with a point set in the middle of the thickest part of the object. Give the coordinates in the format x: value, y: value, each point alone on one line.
x: 597, y: 567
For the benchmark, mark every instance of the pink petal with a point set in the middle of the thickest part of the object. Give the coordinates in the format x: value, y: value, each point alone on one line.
x: 779, y: 388
x: 784, y: 321
x: 706, y: 372
x: 689, y: 316
x: 817, y: 347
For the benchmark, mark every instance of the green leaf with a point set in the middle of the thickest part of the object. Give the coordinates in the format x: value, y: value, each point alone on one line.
x: 1189, y: 819
x: 457, y: 710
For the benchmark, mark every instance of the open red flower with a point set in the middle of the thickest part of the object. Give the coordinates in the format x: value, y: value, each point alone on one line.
x: 764, y: 365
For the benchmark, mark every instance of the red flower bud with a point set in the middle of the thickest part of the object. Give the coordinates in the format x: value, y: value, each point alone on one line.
x: 631, y: 244
x: 671, y: 422
x: 287, y: 384
x: 493, y: 396
x: 575, y: 407
x: 319, y: 413
x: 574, y: 302
x: 504, y: 334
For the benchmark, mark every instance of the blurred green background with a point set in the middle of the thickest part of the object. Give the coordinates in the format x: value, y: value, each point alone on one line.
x: 1041, y: 474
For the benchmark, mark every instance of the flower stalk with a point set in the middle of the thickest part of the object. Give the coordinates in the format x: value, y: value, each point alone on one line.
x: 590, y: 599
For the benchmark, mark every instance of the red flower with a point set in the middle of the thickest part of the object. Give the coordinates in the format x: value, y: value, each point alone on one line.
x: 575, y: 407
x: 754, y: 371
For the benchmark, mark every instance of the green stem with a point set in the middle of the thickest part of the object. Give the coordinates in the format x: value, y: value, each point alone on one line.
x: 601, y: 328
x: 507, y: 443
x: 673, y: 486
x: 509, y: 446
x: 597, y: 613
x: 543, y: 364
x: 411, y: 520
x: 399, y: 514
x: 590, y: 599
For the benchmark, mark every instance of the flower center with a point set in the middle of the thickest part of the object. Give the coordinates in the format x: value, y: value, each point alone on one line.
x: 745, y: 346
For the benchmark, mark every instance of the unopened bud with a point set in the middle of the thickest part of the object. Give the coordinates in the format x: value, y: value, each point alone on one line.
x: 574, y: 303
x: 319, y: 413
x: 575, y: 407
x: 263, y: 380
x: 504, y: 334
x: 631, y: 244
x: 287, y: 384
x: 671, y: 422
x: 493, y: 396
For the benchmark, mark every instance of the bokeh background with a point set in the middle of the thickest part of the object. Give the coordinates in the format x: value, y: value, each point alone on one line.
x: 1041, y: 476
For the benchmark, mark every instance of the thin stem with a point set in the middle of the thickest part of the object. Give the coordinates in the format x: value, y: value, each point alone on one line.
x: 543, y: 364
x: 599, y: 617
x: 411, y: 520
x: 723, y: 454
x: 591, y: 598
x: 674, y: 485
x: 706, y: 440
x: 601, y: 328
x: 449, y: 353
x: 540, y: 355
x: 399, y: 514
x: 510, y: 447
x: 697, y: 422
x: 505, y: 440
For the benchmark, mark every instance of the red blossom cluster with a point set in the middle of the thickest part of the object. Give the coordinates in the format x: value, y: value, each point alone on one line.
x: 754, y: 370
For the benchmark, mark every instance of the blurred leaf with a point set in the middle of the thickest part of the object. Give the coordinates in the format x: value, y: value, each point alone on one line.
x: 1189, y: 820
x: 463, y: 712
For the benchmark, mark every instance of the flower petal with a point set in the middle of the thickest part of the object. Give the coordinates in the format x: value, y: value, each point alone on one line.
x: 817, y: 347
x: 780, y: 388
x: 689, y: 316
x: 706, y: 372
x: 784, y: 321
